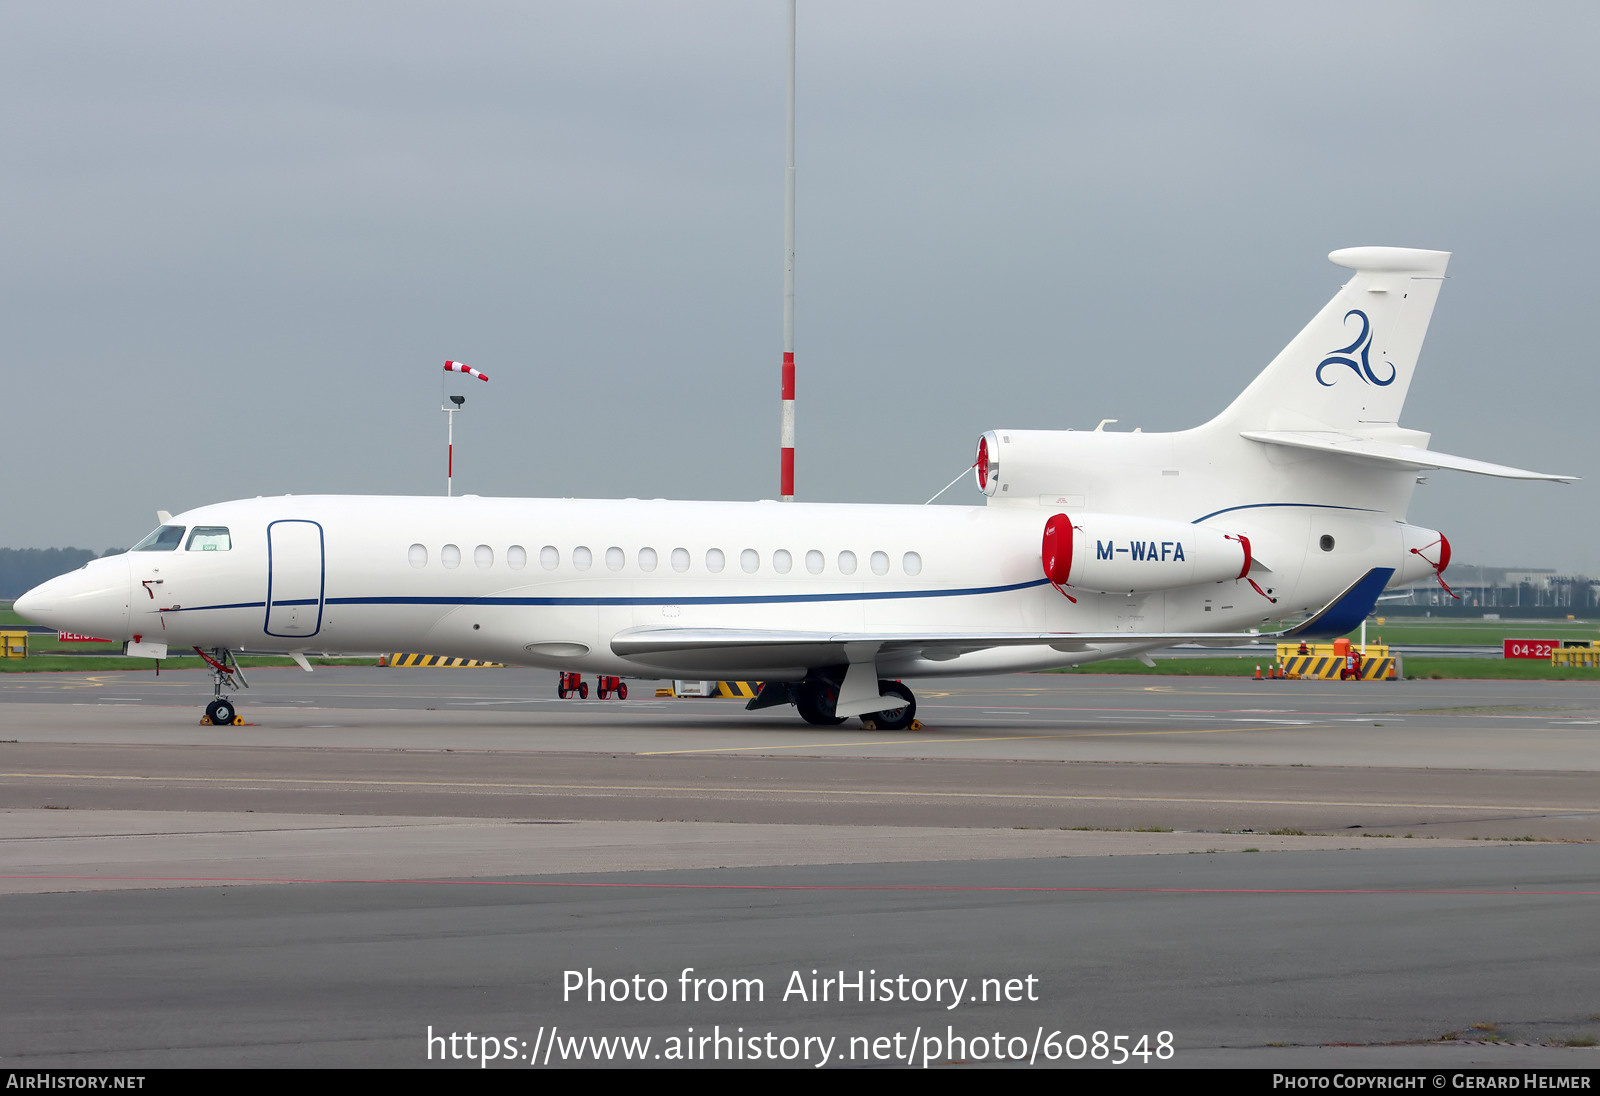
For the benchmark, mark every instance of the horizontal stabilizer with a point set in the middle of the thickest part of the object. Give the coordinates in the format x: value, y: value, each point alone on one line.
x: 1384, y: 452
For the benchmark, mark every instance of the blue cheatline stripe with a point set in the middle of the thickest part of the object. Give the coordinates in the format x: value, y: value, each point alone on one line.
x: 1265, y: 505
x: 235, y: 605
x: 753, y: 599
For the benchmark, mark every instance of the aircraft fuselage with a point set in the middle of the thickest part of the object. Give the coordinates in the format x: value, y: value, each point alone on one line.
x: 550, y: 582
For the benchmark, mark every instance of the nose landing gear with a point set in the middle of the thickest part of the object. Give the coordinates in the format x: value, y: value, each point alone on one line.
x: 224, y: 668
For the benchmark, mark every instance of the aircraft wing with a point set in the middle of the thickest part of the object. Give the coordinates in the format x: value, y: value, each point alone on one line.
x: 650, y: 641
x: 758, y: 647
x: 778, y: 652
x: 1383, y: 452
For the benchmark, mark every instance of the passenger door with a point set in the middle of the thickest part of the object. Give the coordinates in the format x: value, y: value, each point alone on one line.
x: 296, y: 575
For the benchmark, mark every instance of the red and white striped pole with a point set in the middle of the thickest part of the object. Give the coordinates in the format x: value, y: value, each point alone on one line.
x: 786, y: 430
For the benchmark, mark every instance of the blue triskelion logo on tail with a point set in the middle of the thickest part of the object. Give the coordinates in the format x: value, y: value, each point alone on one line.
x: 1363, y: 344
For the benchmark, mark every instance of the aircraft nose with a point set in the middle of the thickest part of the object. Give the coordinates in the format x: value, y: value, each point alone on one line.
x: 92, y: 600
x: 38, y: 602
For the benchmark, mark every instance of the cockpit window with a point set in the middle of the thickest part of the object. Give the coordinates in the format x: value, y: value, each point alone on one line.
x: 209, y: 538
x: 165, y: 539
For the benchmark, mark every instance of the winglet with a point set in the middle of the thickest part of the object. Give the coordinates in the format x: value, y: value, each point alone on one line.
x: 1347, y: 610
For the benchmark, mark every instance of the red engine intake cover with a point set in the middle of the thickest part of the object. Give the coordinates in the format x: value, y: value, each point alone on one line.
x: 1056, y: 552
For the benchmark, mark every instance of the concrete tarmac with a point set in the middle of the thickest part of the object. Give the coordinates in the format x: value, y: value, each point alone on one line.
x: 381, y: 852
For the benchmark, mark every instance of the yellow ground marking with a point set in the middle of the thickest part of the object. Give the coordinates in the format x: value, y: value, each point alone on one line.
x: 767, y: 791
x: 980, y: 738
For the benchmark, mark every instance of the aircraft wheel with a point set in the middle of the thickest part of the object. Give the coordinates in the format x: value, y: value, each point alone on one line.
x: 622, y: 691
x: 220, y: 712
x: 583, y: 691
x: 815, y: 704
x: 895, y: 719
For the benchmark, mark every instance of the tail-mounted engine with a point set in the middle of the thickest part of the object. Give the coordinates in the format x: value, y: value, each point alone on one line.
x: 1123, y: 554
x: 1426, y: 550
x: 1024, y: 464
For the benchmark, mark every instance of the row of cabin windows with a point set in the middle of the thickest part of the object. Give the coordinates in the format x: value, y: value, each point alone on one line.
x: 582, y: 558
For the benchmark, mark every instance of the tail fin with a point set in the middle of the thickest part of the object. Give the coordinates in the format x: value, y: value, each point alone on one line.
x: 1350, y: 368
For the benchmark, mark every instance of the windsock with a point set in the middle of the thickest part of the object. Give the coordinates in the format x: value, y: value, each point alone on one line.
x: 457, y: 367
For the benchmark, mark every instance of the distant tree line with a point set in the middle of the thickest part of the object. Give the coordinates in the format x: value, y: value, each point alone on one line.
x: 21, y: 569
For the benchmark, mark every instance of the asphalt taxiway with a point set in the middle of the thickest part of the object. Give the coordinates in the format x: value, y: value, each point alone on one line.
x: 382, y: 851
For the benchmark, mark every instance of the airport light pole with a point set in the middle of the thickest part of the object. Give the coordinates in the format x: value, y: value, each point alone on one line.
x: 450, y: 443
x: 454, y: 372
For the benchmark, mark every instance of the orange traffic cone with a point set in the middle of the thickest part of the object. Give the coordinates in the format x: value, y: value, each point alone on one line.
x: 1258, y: 671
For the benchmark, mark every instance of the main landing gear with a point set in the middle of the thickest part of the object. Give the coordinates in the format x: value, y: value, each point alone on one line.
x: 224, y: 669
x: 815, y: 698
x: 893, y: 719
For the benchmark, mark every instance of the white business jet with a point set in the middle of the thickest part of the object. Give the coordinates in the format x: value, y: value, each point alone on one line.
x: 1092, y: 545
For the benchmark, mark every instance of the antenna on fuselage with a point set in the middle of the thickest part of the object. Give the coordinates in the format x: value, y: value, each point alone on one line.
x: 454, y: 376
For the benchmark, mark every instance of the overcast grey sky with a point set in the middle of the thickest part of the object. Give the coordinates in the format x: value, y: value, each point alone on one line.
x: 240, y: 239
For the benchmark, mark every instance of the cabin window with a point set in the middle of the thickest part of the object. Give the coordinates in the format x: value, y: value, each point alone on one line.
x: 516, y: 557
x: 615, y: 558
x: 680, y: 559
x: 647, y: 559
x: 911, y: 563
x: 582, y: 557
x: 749, y: 561
x: 1326, y: 543
x: 715, y: 560
x: 450, y: 556
x: 549, y: 557
x: 782, y: 561
x: 483, y: 556
x: 165, y: 539
x: 880, y: 563
x: 418, y: 555
x: 209, y: 538
x: 847, y: 563
x: 814, y: 562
